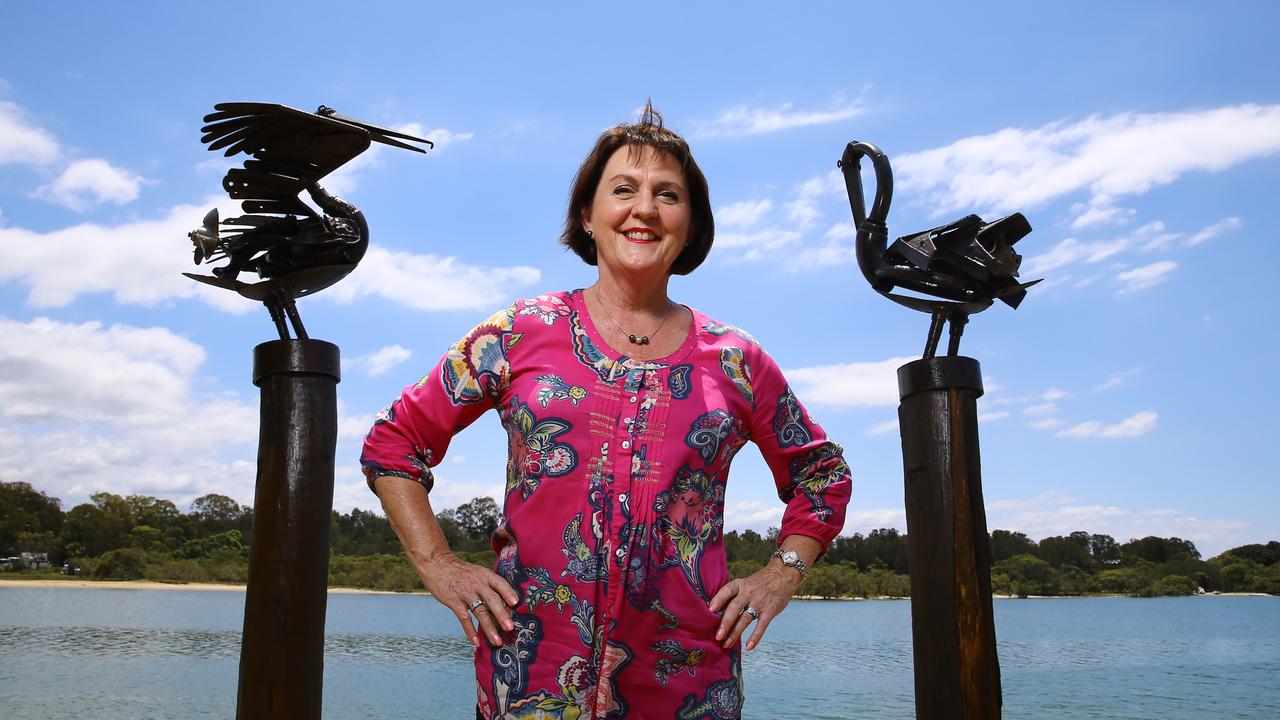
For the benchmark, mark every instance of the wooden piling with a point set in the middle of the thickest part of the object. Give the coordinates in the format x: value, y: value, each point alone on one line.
x: 957, y: 672
x: 282, y: 649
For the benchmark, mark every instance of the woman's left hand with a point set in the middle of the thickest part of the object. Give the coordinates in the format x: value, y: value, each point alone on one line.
x: 766, y: 592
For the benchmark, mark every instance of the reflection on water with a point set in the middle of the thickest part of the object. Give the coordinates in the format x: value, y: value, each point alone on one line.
x: 110, y: 653
x: 123, y: 643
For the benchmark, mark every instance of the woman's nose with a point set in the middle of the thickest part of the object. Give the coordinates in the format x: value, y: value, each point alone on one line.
x: 644, y: 205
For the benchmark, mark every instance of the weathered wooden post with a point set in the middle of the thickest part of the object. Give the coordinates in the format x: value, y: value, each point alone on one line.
x: 968, y: 263
x: 282, y: 649
x: 957, y: 672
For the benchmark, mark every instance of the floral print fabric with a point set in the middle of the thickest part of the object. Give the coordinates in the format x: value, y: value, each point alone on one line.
x: 614, y: 509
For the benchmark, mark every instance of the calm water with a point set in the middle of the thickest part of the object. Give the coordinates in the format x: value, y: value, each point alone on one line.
x: 111, y: 653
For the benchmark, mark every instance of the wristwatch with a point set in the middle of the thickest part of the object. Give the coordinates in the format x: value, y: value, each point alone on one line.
x: 791, y: 559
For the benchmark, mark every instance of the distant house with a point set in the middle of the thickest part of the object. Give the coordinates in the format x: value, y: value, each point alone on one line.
x: 34, y: 560
x: 11, y: 563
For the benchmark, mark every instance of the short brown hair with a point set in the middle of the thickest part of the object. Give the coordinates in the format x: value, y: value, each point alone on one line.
x: 650, y: 133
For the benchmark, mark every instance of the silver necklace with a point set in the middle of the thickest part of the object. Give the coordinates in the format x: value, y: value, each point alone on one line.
x: 633, y: 338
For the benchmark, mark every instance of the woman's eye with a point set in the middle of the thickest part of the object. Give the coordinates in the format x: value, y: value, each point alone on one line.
x: 622, y: 190
x: 669, y: 196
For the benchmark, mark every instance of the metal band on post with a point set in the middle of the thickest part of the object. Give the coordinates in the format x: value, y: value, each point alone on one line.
x: 282, y: 650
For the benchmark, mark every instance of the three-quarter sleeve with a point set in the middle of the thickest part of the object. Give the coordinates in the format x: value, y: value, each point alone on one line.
x: 809, y: 469
x: 412, y: 434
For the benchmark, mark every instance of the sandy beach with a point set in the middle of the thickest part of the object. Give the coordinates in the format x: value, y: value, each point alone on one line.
x: 153, y: 585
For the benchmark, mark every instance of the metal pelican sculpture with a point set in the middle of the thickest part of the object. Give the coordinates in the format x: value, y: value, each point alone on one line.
x: 295, y: 249
x: 965, y: 264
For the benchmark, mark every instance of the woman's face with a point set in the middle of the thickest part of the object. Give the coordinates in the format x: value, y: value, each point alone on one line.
x: 640, y: 215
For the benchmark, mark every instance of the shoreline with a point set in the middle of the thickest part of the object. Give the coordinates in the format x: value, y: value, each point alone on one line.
x: 80, y: 584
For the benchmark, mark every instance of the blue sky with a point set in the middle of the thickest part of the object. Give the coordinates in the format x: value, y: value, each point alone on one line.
x: 1129, y: 394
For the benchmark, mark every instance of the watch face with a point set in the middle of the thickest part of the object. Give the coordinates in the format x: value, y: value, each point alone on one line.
x: 790, y: 556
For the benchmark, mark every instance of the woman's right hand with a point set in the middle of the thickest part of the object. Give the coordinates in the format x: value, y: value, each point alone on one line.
x: 459, y: 584
x: 456, y: 583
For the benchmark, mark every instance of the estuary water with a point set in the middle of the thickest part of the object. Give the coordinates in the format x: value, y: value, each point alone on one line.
x: 123, y: 653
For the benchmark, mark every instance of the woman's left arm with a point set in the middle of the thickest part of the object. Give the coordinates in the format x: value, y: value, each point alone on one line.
x: 812, y: 478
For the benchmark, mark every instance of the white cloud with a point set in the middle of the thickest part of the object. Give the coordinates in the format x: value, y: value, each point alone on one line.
x: 1110, y: 157
x: 1056, y: 514
x: 85, y: 408
x: 380, y: 361
x: 442, y: 137
x: 992, y: 416
x: 1133, y: 426
x: 1141, y: 278
x: 1069, y: 252
x: 1049, y: 423
x: 837, y: 248
x: 344, y: 181
x: 431, y: 282
x: 57, y: 371
x: 88, y: 183
x: 738, y: 247
x: 883, y: 428
x: 1223, y: 226
x: 1100, y: 210
x: 865, y: 520
x: 1152, y: 236
x: 1048, y: 408
x: 755, y: 514
x: 741, y: 120
x: 141, y: 263
x: 1053, y: 394
x: 22, y: 142
x: 743, y: 213
x: 1118, y: 379
x: 858, y: 384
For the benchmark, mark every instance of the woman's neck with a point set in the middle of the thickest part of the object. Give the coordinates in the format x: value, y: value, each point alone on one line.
x: 633, y: 298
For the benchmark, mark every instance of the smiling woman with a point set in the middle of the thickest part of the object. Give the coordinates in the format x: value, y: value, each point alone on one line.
x: 611, y: 597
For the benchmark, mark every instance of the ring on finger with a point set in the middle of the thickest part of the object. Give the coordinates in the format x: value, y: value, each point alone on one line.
x: 475, y: 604
x: 754, y: 613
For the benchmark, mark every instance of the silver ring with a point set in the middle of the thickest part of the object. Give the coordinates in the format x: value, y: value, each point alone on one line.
x: 475, y: 604
x: 754, y: 613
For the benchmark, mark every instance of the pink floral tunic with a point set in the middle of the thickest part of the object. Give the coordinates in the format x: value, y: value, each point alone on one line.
x: 614, y: 507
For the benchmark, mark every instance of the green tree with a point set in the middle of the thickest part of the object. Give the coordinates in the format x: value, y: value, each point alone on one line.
x: 216, y: 513
x: 1175, y: 585
x: 1028, y: 575
x: 23, y: 509
x: 1105, y: 550
x: 1265, y: 555
x: 1158, y: 550
x: 99, y: 526
x: 362, y: 532
x: 1070, y: 550
x: 1008, y: 543
x: 122, y: 564
x: 478, y: 518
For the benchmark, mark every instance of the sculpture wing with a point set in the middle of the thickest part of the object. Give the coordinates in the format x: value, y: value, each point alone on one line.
x: 290, y: 150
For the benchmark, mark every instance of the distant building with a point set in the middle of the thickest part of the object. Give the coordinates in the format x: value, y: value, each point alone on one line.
x: 34, y: 560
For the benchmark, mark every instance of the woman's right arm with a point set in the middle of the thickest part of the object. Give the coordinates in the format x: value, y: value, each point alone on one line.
x: 451, y: 580
x: 411, y: 436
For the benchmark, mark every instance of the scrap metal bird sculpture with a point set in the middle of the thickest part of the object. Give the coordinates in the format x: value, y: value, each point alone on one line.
x: 294, y: 249
x: 967, y: 263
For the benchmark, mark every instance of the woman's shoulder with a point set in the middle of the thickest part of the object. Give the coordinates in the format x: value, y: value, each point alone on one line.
x: 716, y: 332
x: 547, y: 307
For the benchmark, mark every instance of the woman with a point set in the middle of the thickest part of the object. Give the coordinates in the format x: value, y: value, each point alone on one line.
x: 611, y: 596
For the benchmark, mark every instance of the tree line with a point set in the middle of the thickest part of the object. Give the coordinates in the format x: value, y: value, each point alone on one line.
x: 142, y: 537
